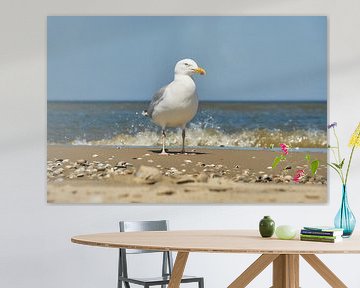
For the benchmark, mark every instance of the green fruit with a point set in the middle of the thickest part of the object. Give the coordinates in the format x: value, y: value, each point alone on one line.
x: 285, y: 232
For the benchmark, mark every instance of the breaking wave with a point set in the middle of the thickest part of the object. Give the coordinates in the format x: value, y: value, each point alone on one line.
x: 258, y: 138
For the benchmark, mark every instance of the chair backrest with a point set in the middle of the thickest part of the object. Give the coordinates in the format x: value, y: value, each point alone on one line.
x: 134, y: 226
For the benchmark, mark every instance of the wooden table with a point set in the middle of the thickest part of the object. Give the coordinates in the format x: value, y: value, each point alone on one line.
x: 284, y: 254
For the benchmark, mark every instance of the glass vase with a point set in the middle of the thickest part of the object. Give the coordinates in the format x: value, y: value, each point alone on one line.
x: 345, y: 219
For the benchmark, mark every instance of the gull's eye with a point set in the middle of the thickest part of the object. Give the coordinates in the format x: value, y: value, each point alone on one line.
x: 186, y: 64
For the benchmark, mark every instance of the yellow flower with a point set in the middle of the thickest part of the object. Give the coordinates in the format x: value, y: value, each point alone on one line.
x: 355, y: 138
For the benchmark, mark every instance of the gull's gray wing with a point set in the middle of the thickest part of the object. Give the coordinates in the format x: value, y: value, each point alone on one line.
x: 157, y: 98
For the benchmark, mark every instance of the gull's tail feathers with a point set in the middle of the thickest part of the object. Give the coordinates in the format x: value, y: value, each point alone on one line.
x: 145, y: 113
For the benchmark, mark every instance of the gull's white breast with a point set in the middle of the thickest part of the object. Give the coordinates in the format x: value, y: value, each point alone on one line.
x: 179, y: 104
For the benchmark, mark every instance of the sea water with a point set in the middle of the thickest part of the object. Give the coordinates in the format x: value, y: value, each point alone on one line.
x: 225, y: 124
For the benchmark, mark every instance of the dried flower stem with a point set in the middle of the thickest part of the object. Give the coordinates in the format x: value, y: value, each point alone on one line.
x: 337, y: 171
x: 338, y: 145
x: 340, y: 172
x: 348, y: 167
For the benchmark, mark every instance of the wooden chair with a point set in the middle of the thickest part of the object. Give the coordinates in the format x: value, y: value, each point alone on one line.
x: 167, y: 262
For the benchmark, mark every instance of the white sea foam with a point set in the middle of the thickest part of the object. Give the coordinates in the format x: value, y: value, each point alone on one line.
x: 259, y: 138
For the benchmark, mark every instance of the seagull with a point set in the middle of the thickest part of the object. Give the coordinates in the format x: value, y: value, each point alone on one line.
x: 176, y: 104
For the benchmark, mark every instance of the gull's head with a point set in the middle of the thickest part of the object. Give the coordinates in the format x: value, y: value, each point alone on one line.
x: 188, y: 67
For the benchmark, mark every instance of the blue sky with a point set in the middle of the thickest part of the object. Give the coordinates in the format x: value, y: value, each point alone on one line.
x: 129, y: 58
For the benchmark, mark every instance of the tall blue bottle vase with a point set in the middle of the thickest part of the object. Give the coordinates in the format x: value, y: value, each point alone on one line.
x: 345, y: 219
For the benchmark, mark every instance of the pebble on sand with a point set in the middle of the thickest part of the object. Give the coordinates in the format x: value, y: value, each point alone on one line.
x: 148, y: 174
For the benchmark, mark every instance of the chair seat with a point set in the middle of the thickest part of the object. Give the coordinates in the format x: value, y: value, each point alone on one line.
x: 158, y: 280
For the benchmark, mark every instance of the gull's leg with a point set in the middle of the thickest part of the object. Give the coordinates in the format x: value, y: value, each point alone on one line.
x: 183, y: 141
x: 163, y: 152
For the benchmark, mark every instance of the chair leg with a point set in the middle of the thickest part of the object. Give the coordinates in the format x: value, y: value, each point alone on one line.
x: 119, y: 270
x: 201, y: 283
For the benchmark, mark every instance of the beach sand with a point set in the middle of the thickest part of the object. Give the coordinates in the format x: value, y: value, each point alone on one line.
x: 108, y: 174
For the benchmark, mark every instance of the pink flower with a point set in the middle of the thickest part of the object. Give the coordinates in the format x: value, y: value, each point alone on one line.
x: 284, y: 148
x: 298, y: 175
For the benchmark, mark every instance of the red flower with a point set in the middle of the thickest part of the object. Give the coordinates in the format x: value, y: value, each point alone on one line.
x: 284, y: 148
x: 298, y: 175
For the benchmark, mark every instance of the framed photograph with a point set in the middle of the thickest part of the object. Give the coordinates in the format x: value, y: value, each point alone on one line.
x: 187, y: 109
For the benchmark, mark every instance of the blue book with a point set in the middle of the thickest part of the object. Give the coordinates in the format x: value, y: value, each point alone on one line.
x: 322, y: 231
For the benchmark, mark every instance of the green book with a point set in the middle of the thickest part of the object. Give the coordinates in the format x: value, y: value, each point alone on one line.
x: 319, y: 236
x: 325, y: 240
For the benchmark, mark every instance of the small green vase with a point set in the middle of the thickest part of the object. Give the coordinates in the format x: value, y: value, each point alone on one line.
x: 266, y: 226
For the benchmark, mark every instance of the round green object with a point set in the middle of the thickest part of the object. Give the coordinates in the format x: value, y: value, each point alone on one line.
x: 266, y: 227
x: 285, y: 232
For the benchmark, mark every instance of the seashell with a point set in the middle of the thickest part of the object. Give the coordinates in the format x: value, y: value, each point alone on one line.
x: 288, y: 178
x: 101, y: 168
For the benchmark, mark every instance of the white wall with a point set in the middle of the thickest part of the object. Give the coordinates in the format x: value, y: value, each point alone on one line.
x: 35, y: 248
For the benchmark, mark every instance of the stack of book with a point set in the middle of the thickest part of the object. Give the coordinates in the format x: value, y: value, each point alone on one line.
x: 321, y: 234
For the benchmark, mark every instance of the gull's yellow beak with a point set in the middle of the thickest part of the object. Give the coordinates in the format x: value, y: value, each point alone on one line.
x: 200, y: 71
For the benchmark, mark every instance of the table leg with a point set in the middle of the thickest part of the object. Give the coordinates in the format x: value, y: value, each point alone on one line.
x: 324, y: 271
x: 178, y: 269
x: 286, y: 271
x: 253, y: 270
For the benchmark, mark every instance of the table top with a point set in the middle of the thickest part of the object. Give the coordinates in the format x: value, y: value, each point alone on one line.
x: 216, y: 241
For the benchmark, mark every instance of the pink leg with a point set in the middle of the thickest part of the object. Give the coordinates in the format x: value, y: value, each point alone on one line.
x: 163, y: 152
